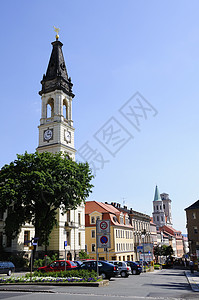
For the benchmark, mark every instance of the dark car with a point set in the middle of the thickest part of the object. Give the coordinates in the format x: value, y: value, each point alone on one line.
x: 78, y: 262
x: 58, y: 265
x: 136, y: 268
x: 106, y: 270
x: 6, y: 267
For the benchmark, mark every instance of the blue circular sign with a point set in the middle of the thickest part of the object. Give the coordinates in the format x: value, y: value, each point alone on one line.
x: 104, y: 240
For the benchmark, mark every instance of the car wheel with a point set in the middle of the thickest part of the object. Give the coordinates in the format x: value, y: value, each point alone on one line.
x: 103, y: 275
x: 123, y: 274
x: 9, y: 272
x: 134, y: 272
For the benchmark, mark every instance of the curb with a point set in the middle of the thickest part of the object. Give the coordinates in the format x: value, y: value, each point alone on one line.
x: 194, y: 284
x: 5, y: 286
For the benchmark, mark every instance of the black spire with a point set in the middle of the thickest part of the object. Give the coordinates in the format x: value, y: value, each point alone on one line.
x: 56, y: 77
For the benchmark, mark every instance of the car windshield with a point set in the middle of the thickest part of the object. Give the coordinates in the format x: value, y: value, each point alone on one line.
x: 73, y: 264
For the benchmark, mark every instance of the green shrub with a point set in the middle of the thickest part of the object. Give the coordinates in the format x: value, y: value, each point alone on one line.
x: 83, y: 255
x: 45, y: 261
x: 18, y: 260
x: 72, y: 273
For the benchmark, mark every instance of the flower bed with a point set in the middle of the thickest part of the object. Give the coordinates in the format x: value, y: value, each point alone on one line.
x: 54, y: 277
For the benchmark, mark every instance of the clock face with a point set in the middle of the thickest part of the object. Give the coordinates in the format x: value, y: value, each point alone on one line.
x: 48, y: 134
x: 67, y: 136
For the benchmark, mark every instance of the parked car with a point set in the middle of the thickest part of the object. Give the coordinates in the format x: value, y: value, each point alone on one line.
x: 145, y: 263
x: 78, y: 262
x: 58, y: 265
x: 106, y: 270
x: 124, y: 269
x: 136, y: 268
x: 6, y: 267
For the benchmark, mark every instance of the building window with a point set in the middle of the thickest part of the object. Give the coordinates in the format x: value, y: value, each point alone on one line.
x: 162, y: 218
x: 50, y: 109
x: 157, y: 207
x: 93, y: 233
x: 93, y: 247
x: 97, y: 218
x: 116, y: 233
x: 195, y: 229
x: 79, y: 218
x: 86, y: 248
x: 92, y: 220
x: 68, y: 216
x: 79, y: 235
x: 68, y: 237
x: 26, y: 237
x: 157, y: 218
x: 194, y: 215
x: 164, y: 206
x: 65, y: 109
x: 160, y: 207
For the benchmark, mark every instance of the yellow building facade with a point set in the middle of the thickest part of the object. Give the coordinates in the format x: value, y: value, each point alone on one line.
x: 121, y: 232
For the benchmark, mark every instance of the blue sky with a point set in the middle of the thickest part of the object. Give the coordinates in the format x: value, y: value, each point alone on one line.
x: 112, y: 49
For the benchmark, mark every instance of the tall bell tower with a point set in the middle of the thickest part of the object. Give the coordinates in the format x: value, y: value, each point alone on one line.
x: 56, y: 131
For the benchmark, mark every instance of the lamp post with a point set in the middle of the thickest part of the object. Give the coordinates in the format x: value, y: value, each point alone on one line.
x: 190, y: 248
x: 160, y: 248
x: 143, y: 236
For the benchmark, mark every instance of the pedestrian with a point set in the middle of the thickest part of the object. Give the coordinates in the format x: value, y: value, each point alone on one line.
x: 191, y: 265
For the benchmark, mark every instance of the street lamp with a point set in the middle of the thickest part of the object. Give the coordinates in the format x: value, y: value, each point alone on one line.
x: 143, y: 236
x: 160, y: 248
x: 190, y: 248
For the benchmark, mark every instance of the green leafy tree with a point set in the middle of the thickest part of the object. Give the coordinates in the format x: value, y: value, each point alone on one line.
x: 34, y: 186
x: 163, y: 250
x: 83, y: 255
x: 167, y: 250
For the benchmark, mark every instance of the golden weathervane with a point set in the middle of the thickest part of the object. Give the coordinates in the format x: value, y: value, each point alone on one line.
x: 57, y: 31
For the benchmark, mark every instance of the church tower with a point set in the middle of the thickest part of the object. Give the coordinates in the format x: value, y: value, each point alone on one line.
x: 167, y: 207
x: 158, y: 210
x: 56, y: 132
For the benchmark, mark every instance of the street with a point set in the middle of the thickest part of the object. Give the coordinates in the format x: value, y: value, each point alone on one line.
x: 165, y: 284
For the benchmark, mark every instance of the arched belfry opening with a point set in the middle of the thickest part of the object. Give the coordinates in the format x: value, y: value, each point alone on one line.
x: 65, y: 109
x: 50, y: 108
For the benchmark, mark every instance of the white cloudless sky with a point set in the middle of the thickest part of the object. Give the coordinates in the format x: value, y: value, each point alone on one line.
x: 112, y: 50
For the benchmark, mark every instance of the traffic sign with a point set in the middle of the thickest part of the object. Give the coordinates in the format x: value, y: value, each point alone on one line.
x: 139, y: 248
x: 103, y: 241
x: 103, y: 226
x: 65, y: 244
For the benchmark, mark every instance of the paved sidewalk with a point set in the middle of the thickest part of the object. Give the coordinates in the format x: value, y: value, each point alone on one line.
x: 193, y: 279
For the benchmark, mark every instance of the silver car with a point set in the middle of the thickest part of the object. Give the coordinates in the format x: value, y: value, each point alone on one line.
x: 124, y: 269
